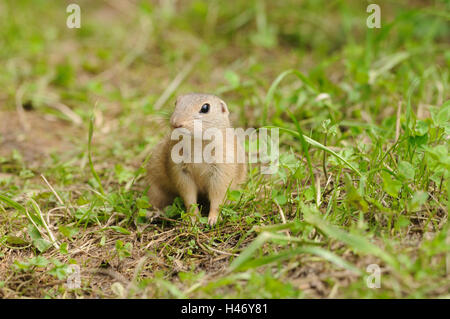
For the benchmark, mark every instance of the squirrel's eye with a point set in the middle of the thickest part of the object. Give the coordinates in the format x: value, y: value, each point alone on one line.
x: 205, y: 108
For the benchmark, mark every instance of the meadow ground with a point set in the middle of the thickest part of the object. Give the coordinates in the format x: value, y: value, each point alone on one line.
x: 80, y: 110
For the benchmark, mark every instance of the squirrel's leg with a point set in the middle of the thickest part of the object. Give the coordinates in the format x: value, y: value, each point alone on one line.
x: 158, y: 198
x: 216, y: 194
x: 188, y: 191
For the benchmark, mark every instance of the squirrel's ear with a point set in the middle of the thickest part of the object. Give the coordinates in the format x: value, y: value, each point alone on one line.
x: 223, y: 107
x: 178, y: 100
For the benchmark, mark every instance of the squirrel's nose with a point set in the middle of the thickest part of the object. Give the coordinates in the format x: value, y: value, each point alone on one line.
x: 176, y: 124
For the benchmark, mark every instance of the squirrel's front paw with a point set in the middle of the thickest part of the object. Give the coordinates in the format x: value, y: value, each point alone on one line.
x: 212, y: 220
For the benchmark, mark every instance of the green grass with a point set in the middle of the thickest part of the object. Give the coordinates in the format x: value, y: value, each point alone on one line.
x: 364, y: 127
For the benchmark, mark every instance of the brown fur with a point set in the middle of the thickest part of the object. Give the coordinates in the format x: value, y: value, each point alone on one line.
x: 190, y: 180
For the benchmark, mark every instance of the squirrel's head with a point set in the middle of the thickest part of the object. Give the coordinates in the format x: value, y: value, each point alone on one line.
x: 207, y: 108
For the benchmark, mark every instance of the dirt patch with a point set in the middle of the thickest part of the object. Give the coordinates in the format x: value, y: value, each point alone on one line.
x: 36, y: 136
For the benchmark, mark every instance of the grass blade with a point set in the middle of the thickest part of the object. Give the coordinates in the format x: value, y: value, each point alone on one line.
x: 247, y: 260
x: 276, y: 83
x: 91, y: 164
x: 289, y: 253
x: 13, y: 203
x: 305, y: 148
x: 319, y: 146
x: 354, y: 241
x: 49, y: 232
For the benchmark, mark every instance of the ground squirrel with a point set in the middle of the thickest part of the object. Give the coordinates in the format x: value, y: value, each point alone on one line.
x: 191, y: 179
